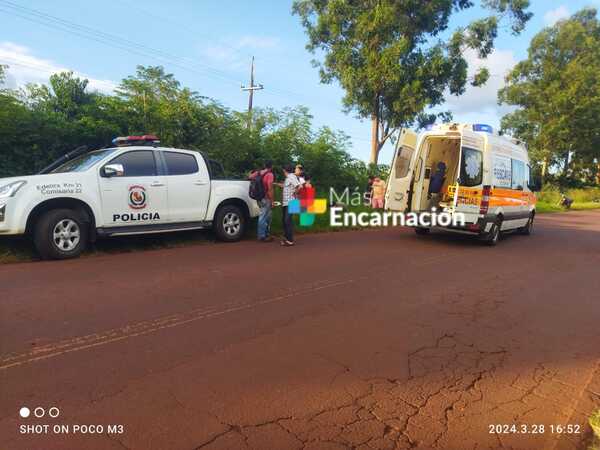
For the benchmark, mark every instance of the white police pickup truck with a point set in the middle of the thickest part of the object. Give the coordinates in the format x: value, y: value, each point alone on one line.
x: 136, y: 187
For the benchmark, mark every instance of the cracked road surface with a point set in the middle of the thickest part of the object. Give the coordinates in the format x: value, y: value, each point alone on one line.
x: 356, y: 340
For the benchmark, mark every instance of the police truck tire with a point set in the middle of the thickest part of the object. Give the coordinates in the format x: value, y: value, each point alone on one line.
x: 60, y: 234
x: 528, y: 228
x: 422, y: 231
x: 493, y: 236
x: 229, y: 223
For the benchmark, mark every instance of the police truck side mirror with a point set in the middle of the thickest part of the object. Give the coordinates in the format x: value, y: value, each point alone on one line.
x: 113, y: 170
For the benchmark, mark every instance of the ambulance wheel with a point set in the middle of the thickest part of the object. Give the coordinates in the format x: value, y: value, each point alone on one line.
x: 230, y: 223
x: 493, y: 236
x: 422, y: 231
x: 60, y: 234
x: 528, y: 228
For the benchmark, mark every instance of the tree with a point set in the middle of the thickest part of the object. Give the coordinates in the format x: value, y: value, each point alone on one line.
x: 2, y: 74
x: 156, y: 103
x: 390, y: 59
x: 557, y: 91
x: 41, y: 122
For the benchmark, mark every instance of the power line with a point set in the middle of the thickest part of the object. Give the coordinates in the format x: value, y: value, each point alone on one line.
x: 184, y: 27
x: 50, y: 70
x: 108, y: 39
x: 130, y: 46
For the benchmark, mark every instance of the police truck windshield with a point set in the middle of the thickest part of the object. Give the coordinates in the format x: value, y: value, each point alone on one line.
x: 83, y: 162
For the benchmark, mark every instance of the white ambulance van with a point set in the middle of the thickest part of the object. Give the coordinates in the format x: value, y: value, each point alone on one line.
x: 468, y: 169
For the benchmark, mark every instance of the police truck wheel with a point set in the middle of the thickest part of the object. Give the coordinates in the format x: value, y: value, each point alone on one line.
x: 60, y: 234
x: 230, y: 223
x: 493, y: 236
x: 422, y: 231
x: 528, y: 228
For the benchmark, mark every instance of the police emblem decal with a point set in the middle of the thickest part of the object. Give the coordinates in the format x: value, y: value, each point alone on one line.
x: 137, y: 197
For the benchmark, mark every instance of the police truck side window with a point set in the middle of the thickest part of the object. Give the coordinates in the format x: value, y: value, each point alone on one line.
x: 180, y: 163
x: 137, y: 163
x: 217, y: 172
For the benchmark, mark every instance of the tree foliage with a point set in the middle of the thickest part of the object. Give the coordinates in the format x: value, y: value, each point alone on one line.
x: 42, y: 122
x: 557, y: 92
x: 389, y: 57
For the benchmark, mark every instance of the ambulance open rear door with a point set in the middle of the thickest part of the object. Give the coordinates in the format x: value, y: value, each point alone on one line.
x: 397, y: 195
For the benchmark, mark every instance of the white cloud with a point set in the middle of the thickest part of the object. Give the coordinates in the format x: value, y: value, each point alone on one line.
x: 24, y: 67
x: 235, y: 54
x: 554, y: 15
x: 257, y: 42
x: 482, y: 101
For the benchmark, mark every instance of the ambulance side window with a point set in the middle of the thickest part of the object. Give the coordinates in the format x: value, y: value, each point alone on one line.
x: 403, y: 161
x: 519, y: 174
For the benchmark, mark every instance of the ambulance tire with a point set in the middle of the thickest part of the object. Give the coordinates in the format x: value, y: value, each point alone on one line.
x: 493, y: 236
x: 60, y: 234
x: 528, y: 228
x: 422, y: 231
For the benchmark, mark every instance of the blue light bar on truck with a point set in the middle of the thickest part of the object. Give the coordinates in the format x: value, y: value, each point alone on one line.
x: 483, y: 127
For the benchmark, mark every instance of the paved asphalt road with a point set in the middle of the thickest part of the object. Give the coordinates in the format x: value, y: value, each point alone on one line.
x: 363, y: 340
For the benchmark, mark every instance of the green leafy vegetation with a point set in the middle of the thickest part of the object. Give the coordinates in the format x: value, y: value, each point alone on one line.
x: 595, y: 424
x: 557, y: 94
x: 21, y: 248
x: 40, y: 123
x: 390, y: 59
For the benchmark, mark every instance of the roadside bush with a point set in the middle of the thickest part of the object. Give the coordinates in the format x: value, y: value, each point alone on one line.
x: 42, y: 122
x: 551, y: 194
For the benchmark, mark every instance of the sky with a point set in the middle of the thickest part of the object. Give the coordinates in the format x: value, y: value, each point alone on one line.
x: 209, y: 44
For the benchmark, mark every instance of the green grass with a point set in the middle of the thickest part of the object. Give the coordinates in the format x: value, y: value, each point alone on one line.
x: 21, y: 249
x: 545, y: 207
x: 595, y: 423
x: 552, y: 195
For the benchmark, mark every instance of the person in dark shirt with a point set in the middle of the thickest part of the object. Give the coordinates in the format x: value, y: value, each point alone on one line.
x: 437, y: 180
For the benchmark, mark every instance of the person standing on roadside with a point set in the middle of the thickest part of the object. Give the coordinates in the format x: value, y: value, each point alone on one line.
x: 299, y: 172
x: 266, y: 203
x: 291, y: 185
x: 378, y: 193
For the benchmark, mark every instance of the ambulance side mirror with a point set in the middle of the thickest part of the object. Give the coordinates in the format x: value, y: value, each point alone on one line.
x: 113, y: 170
x: 535, y: 185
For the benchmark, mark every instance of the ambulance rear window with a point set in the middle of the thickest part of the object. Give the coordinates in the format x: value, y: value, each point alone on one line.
x: 471, y: 167
x: 403, y: 161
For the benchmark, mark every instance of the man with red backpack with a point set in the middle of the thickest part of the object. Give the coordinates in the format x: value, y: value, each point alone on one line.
x: 261, y: 190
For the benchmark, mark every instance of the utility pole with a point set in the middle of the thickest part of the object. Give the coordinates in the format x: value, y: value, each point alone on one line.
x: 251, y: 90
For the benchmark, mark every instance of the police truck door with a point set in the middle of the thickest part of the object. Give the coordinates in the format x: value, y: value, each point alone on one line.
x: 189, y: 186
x: 137, y: 195
x: 399, y: 184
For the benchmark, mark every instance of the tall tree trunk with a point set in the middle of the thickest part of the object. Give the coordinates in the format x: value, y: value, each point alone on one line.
x: 544, y: 168
x: 375, y: 132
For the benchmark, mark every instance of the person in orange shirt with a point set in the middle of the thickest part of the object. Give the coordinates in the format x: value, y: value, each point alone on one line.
x: 378, y: 196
